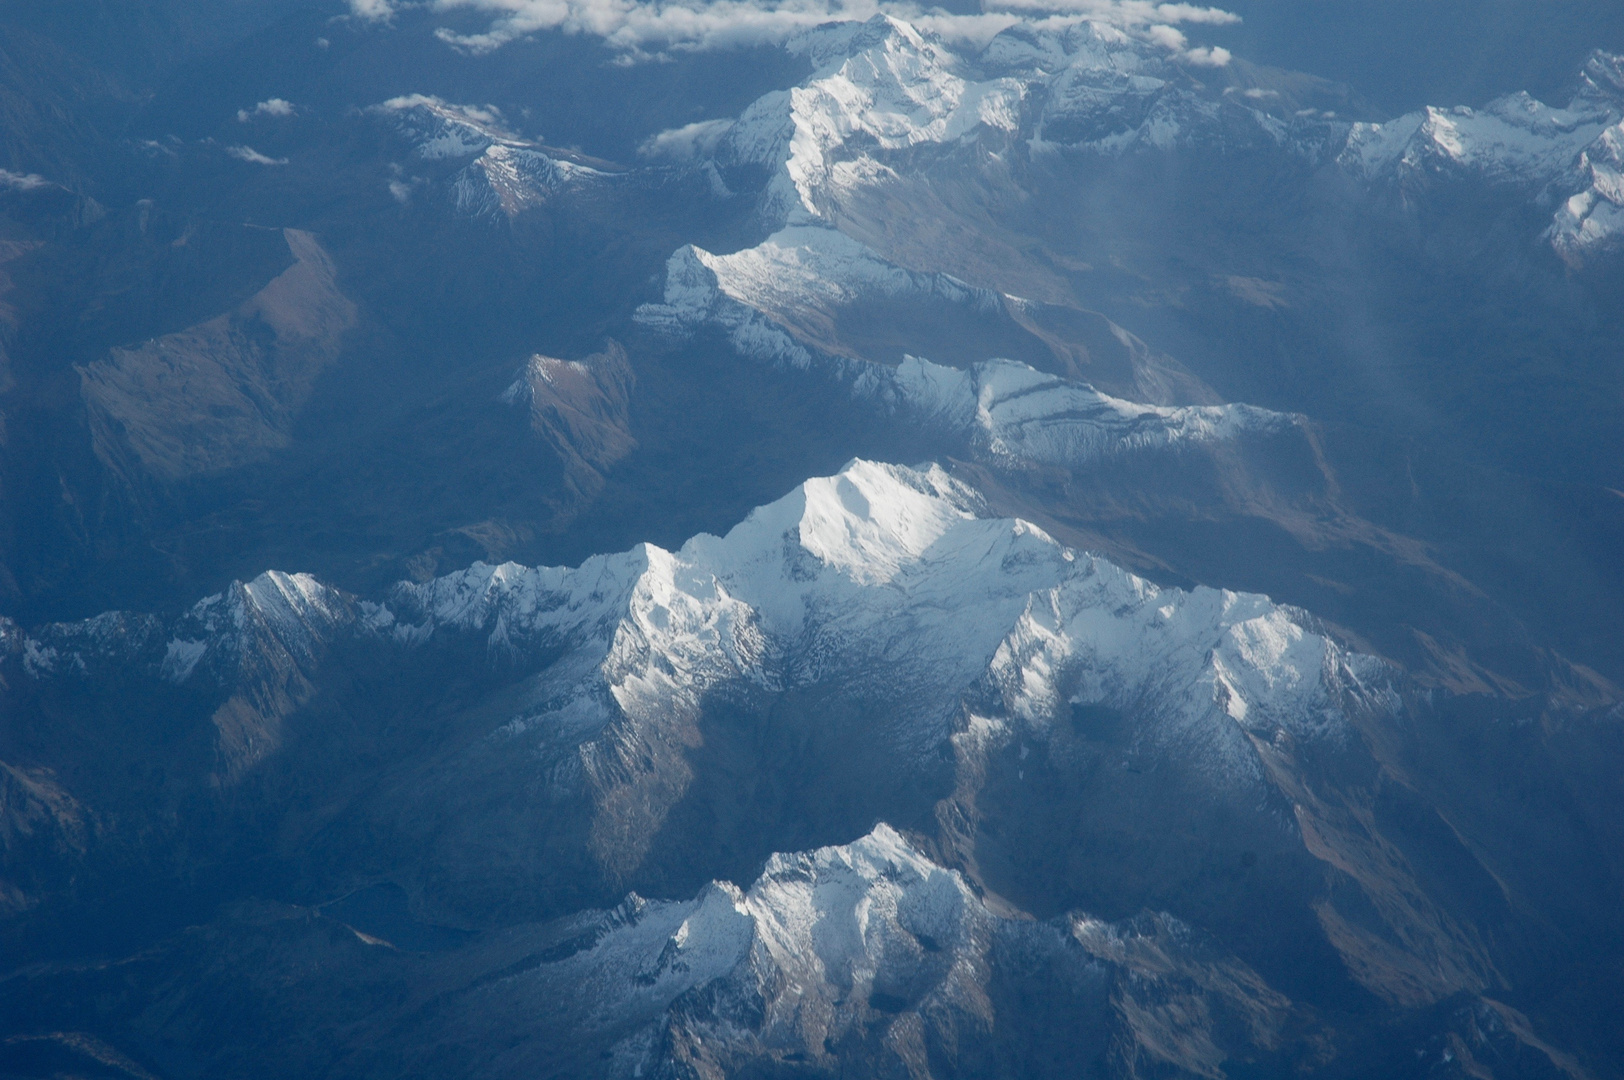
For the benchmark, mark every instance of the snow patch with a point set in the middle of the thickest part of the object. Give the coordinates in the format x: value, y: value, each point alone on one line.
x: 253, y: 157
x: 180, y: 657
x: 269, y: 107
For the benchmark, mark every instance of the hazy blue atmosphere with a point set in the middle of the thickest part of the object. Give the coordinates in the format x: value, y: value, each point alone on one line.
x: 811, y: 539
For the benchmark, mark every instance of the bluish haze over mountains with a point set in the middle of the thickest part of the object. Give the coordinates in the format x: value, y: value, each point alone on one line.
x: 744, y: 539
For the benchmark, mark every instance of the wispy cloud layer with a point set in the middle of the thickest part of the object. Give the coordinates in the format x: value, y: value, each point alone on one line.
x: 686, y: 143
x: 22, y: 181
x: 270, y: 107
x: 473, y: 115
x: 253, y: 157
x: 641, y: 28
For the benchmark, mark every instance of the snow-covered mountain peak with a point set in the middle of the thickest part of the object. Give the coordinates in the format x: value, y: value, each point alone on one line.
x: 798, y: 278
x: 507, y: 174
x: 883, y: 855
x: 511, y: 603
x: 830, y: 46
x: 868, y: 520
x: 510, y: 178
x: 1029, y: 49
x: 879, y: 84
x: 862, y: 526
x: 880, y: 584
x: 1603, y: 78
x: 287, y: 601
x: 884, y: 87
x: 838, y: 914
x: 1513, y: 138
x: 873, y: 941
x: 775, y: 302
x: 1571, y: 156
x: 251, y: 649
x: 294, y: 615
x: 1016, y: 415
x: 442, y: 129
x: 819, y: 943
x: 889, y: 573
x: 828, y: 918
x: 865, y: 524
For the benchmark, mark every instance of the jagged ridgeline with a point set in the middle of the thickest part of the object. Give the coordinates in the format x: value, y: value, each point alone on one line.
x: 1043, y: 736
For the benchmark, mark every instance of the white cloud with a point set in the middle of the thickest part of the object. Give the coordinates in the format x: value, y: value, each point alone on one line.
x: 489, y: 116
x: 643, y: 27
x: 253, y: 157
x: 1217, y: 56
x: 1190, y: 13
x: 22, y: 181
x: 686, y: 143
x: 1173, y: 40
x: 1168, y: 37
x: 1121, y: 12
x: 269, y: 107
x: 637, y: 28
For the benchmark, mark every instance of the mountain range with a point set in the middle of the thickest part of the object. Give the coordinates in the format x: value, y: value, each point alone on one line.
x: 912, y: 543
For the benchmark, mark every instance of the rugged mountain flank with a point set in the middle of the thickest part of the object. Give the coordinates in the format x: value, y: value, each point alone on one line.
x: 224, y: 392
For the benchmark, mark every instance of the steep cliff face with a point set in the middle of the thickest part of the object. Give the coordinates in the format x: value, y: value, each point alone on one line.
x: 580, y: 410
